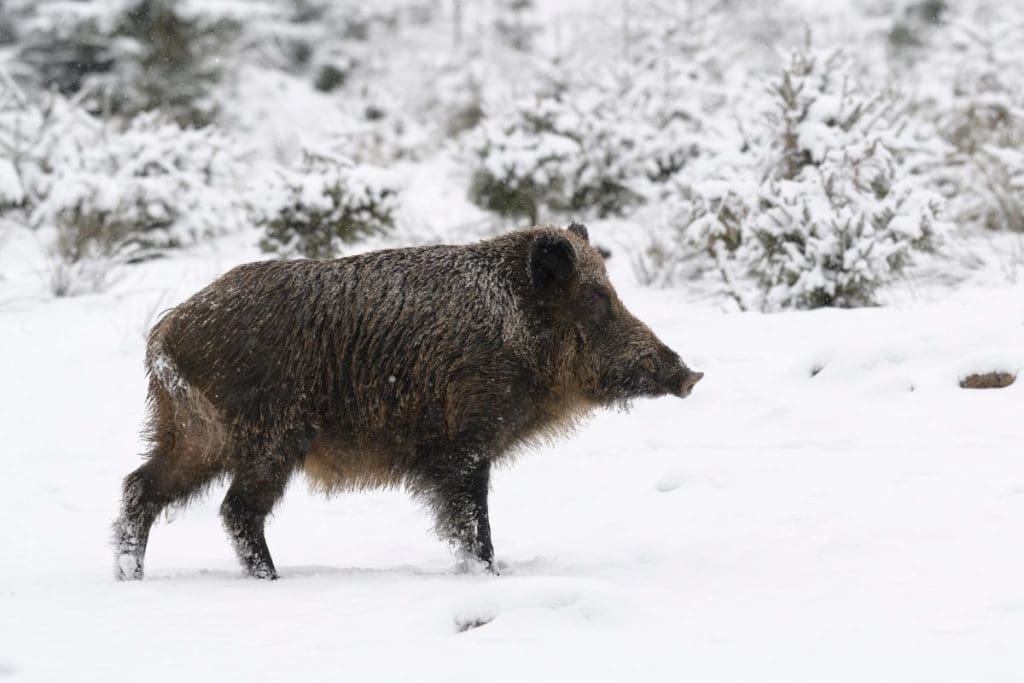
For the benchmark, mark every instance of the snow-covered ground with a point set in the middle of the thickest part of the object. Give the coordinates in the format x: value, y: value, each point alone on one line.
x: 828, y: 506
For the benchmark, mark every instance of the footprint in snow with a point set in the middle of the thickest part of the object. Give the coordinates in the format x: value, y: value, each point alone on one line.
x: 670, y: 481
x: 463, y: 624
x: 543, y: 598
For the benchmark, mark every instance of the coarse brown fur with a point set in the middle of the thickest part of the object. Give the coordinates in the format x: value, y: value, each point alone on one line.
x: 414, y: 368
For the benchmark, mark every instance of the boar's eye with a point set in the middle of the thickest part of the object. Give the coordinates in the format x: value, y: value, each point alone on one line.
x: 598, y: 304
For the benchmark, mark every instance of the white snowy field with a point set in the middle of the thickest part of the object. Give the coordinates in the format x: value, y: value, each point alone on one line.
x: 865, y: 523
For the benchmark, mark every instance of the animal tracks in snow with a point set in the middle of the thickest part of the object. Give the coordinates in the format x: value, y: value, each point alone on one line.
x: 512, y: 600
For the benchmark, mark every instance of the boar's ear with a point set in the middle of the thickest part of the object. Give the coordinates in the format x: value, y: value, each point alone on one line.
x: 552, y: 261
x: 579, y: 230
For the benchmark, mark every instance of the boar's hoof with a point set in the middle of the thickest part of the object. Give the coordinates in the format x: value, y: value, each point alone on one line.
x: 476, y: 567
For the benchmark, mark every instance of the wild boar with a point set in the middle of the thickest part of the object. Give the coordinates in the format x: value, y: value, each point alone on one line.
x: 417, y: 368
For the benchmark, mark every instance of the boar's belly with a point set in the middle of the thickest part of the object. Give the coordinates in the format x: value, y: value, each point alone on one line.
x: 333, y: 464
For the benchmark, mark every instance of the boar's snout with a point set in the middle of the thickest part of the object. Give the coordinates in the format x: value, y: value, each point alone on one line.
x: 677, y: 379
x: 689, y: 381
x: 665, y: 373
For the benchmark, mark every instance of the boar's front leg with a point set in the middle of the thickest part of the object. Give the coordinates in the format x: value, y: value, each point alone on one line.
x: 455, y: 480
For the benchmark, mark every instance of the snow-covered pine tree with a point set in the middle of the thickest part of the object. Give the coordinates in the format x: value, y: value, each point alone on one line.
x: 610, y: 121
x: 132, y: 55
x: 826, y: 210
x: 323, y: 206
x: 65, y: 45
x: 668, y: 81
x: 552, y: 154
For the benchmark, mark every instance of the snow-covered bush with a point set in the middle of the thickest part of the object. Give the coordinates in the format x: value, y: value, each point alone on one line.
x: 826, y: 209
x: 975, y: 94
x: 11, y: 192
x: 328, y: 40
x: 515, y: 23
x: 8, y: 31
x: 315, y: 211
x: 911, y: 24
x: 67, y: 44
x: 670, y: 82
x: 602, y: 129
x: 179, y: 56
x: 86, y: 253
x: 131, y: 55
x: 549, y: 155
x: 332, y: 72
x: 457, y: 98
x: 114, y: 191
x: 165, y: 185
x: 12, y: 105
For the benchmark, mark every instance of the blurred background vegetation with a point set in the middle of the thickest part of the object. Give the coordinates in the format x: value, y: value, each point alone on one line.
x: 800, y: 154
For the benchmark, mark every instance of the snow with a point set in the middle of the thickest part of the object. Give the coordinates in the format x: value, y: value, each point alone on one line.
x: 828, y: 505
x: 11, y: 191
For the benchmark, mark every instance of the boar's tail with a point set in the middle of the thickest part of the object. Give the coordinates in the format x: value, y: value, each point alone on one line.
x: 183, y: 424
x: 160, y: 365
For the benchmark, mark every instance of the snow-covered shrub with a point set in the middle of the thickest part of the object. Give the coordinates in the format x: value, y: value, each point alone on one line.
x: 326, y: 205
x: 11, y: 192
x: 990, y: 190
x: 179, y: 55
x: 8, y: 31
x: 826, y: 209
x: 12, y: 143
x: 669, y: 84
x: 86, y: 254
x: 142, y: 189
x: 375, y: 65
x: 162, y: 184
x: 22, y: 129
x: 912, y: 22
x: 515, y: 23
x: 131, y: 55
x: 333, y: 72
x: 330, y: 40
x: 601, y: 129
x: 549, y: 155
x: 67, y: 44
x: 114, y: 191
x: 457, y: 98
x: 975, y: 94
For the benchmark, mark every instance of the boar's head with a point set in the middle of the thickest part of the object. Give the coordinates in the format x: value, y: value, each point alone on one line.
x: 607, y: 353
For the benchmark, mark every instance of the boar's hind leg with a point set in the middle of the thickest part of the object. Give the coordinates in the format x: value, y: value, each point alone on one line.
x: 169, y: 476
x: 456, y: 483
x: 255, y: 489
